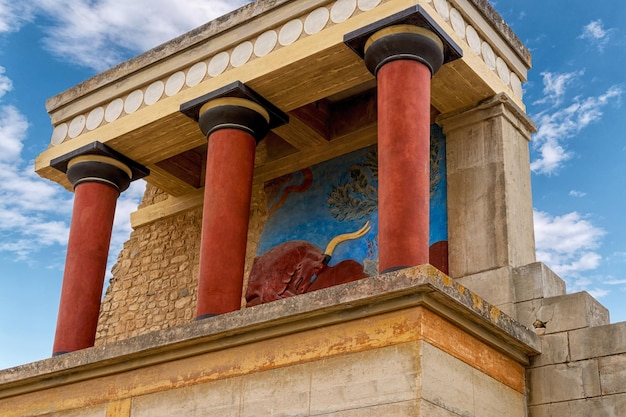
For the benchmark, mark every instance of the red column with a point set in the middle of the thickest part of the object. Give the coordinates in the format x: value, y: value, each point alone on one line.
x: 234, y: 119
x: 403, y: 58
x: 98, y: 176
x: 403, y: 163
x: 227, y: 195
x: 85, y: 266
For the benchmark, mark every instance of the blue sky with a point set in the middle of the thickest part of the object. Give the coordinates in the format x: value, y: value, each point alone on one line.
x: 575, y: 96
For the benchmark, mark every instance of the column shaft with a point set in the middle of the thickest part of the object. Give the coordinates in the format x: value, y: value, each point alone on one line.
x: 227, y: 195
x: 85, y: 266
x: 403, y: 163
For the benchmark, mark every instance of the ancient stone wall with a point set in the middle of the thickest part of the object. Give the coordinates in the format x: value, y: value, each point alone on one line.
x: 154, y: 281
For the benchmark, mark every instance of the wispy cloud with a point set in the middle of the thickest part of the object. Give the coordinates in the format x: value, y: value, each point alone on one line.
x: 13, y: 14
x: 568, y: 244
x: 35, y: 213
x: 100, y: 33
x: 559, y: 123
x: 578, y: 194
x: 594, y: 31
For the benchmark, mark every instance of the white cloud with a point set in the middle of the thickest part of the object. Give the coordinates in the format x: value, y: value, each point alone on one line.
x: 13, y: 14
x: 575, y: 193
x: 594, y: 31
x: 556, y: 125
x: 568, y: 244
x: 100, y: 33
x: 555, y: 85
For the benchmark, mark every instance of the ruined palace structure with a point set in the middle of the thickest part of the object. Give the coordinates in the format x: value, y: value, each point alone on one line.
x: 337, y: 222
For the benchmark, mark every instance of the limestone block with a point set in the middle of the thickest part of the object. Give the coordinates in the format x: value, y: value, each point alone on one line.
x: 599, y: 341
x: 613, y: 374
x: 526, y: 312
x: 432, y: 410
x: 365, y: 379
x: 572, y: 311
x: 606, y: 406
x: 495, y: 286
x: 221, y: 398
x: 279, y: 392
x: 563, y: 382
x: 554, y: 349
x: 94, y: 411
x: 452, y: 385
x: 536, y: 280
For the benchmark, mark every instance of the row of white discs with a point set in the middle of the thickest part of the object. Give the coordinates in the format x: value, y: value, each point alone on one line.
x: 314, y: 22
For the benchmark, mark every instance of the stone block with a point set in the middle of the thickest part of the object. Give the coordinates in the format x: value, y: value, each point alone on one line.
x: 554, y: 350
x: 526, y: 312
x: 494, y: 286
x: 536, y: 280
x: 365, y: 379
x: 598, y: 341
x: 613, y: 374
x: 571, y: 311
x: 454, y: 386
x: 94, y: 411
x: 428, y: 409
x: 221, y: 398
x: 563, y: 382
x: 606, y: 406
x: 282, y: 391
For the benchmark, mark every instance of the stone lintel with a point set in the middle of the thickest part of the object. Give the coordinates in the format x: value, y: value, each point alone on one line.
x: 96, y: 148
x: 415, y: 16
x: 235, y: 89
x: 372, y: 297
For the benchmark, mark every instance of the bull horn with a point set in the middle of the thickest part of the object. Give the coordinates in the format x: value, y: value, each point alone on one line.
x: 346, y: 236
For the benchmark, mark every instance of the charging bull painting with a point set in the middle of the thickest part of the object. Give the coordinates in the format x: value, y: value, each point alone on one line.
x: 322, y: 225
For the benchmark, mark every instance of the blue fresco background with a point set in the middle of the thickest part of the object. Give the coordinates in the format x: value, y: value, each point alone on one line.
x: 309, y: 215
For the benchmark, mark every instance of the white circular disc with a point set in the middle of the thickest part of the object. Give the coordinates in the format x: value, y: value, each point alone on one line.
x: 113, y: 110
x: 174, y: 83
x: 473, y: 40
x: 133, y: 101
x: 76, y: 126
x: 342, y: 10
x: 290, y: 32
x: 488, y: 56
x: 241, y: 54
x: 443, y: 9
x: 265, y: 43
x: 218, y: 64
x: 58, y: 134
x: 153, y: 93
x: 196, y: 74
x: 94, y: 118
x: 503, y: 71
x: 316, y: 20
x: 516, y: 85
x: 366, y: 5
x: 458, y: 24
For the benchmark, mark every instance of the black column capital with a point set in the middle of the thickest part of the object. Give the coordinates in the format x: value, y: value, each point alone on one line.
x: 97, y: 162
x: 410, y: 34
x: 234, y: 106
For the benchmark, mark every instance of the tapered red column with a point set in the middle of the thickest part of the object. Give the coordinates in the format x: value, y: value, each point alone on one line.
x: 403, y: 58
x: 227, y: 194
x: 98, y: 180
x: 234, y: 119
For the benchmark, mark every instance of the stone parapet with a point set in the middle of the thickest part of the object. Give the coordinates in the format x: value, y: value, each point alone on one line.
x: 388, y: 345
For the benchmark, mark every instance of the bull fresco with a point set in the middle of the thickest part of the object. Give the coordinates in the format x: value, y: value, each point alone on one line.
x: 322, y: 225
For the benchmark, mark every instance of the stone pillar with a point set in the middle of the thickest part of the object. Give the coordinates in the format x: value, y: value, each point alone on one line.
x: 98, y: 176
x: 403, y: 58
x: 490, y: 218
x: 234, y: 119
